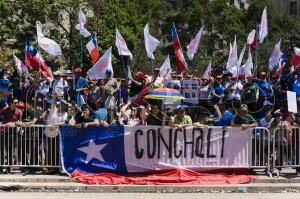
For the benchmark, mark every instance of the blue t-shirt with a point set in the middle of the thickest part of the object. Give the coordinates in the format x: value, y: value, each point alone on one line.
x: 219, y: 89
x: 296, y: 88
x: 225, y: 119
x: 3, y: 87
x: 101, y: 114
x: 79, y: 83
x: 265, y: 88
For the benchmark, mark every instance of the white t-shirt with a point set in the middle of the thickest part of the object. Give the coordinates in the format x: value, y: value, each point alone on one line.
x: 53, y: 118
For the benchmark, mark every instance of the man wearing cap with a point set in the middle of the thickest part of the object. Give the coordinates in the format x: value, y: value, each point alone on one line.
x: 80, y: 85
x: 243, y: 119
x: 251, y: 93
x: 137, y: 84
x: 58, y: 86
x: 233, y: 90
x: 181, y: 120
x: 111, y: 87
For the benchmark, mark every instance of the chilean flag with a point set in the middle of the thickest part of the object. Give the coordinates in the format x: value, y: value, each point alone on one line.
x: 35, y: 61
x: 93, y: 49
x: 181, y: 63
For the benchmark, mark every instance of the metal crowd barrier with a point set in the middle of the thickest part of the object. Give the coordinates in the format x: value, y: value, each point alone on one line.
x: 29, y: 147
x: 286, y: 148
x: 261, y: 151
x: 32, y: 147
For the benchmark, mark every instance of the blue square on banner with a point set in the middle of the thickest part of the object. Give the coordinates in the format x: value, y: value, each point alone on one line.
x: 93, y: 149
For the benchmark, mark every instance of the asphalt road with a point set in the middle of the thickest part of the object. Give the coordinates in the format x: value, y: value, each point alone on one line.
x: 47, y: 195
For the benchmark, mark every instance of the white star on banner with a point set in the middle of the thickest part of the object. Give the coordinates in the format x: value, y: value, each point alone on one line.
x: 93, y: 151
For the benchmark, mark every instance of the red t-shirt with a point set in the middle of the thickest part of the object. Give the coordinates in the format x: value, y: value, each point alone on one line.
x: 9, y: 115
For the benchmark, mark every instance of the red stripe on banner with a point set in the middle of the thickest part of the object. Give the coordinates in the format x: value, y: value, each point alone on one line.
x: 168, y: 176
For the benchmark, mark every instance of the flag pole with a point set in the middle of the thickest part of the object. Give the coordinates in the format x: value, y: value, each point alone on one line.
x: 256, y: 51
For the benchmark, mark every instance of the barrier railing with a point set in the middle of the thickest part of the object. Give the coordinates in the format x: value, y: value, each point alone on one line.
x: 39, y: 146
x: 261, y: 151
x: 29, y: 146
x: 286, y: 148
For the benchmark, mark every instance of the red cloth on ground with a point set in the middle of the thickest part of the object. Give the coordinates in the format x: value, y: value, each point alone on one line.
x: 167, y: 177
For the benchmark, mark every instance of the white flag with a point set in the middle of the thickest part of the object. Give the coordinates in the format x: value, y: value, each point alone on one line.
x: 241, y: 57
x: 129, y: 74
x: 21, y: 68
x: 275, y: 56
x: 233, y: 59
x: 263, y: 27
x: 251, y: 37
x: 121, y: 45
x: 194, y: 44
x: 248, y: 64
x: 101, y: 66
x: 151, y: 42
x: 47, y: 44
x: 82, y: 20
x: 165, y: 69
x: 208, y: 70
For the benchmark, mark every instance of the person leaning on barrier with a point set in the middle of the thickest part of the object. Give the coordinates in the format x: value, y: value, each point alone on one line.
x: 207, y: 120
x: 87, y: 118
x: 243, y: 119
x: 181, y: 120
x: 11, y: 117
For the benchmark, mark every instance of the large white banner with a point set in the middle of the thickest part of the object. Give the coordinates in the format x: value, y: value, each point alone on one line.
x: 153, y: 147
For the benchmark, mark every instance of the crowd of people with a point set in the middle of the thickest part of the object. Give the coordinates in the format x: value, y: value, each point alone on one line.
x: 71, y: 98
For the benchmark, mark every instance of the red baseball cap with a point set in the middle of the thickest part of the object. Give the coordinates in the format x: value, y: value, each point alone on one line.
x: 21, y: 104
x: 78, y: 70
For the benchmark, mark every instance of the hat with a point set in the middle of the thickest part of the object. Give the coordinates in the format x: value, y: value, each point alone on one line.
x: 156, y: 69
x: 108, y: 72
x: 205, y: 78
x: 180, y: 108
x: 78, y: 70
x: 139, y: 74
x: 250, y: 76
x: 263, y: 74
x: 21, y: 104
x: 244, y: 107
x: 57, y: 73
x: 219, y: 77
x: 68, y: 72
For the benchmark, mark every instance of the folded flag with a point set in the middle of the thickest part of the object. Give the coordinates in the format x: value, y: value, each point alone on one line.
x: 21, y: 68
x: 93, y: 49
x: 80, y: 26
x: 101, y: 66
x: 251, y: 40
x: 47, y: 44
x: 194, y: 44
x: 180, y: 60
x: 151, y: 42
x: 121, y: 45
x: 35, y: 61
